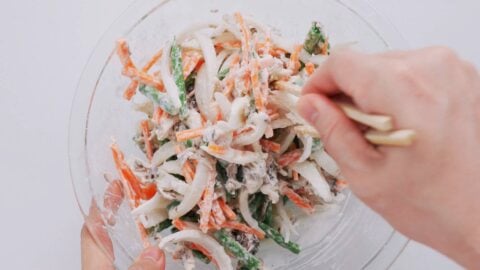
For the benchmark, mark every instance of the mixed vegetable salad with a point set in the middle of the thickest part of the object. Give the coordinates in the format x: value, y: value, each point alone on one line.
x: 225, y: 150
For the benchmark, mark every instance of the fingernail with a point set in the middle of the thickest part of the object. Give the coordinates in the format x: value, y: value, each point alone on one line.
x: 152, y: 253
x: 307, y: 109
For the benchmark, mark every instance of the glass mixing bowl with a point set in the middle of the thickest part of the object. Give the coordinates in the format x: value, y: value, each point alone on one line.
x: 345, y: 236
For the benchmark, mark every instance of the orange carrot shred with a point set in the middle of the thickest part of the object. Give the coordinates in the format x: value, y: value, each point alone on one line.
x: 234, y: 225
x: 295, y: 175
x: 157, y: 115
x: 270, y: 146
x: 206, y: 204
x: 297, y: 199
x: 216, y: 148
x: 217, y: 213
x: 289, y: 158
x: 294, y: 64
x: 309, y: 68
x: 229, y: 213
x: 187, y: 134
x: 146, y: 139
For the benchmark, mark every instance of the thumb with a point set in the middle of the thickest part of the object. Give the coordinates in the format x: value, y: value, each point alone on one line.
x: 151, y: 258
x: 343, y: 140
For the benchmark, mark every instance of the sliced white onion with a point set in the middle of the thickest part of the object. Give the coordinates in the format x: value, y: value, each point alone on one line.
x: 245, y: 210
x: 284, y: 100
x: 229, y: 24
x: 307, y: 142
x: 171, y: 183
x: 309, y: 171
x: 224, y: 103
x: 211, y: 245
x: 170, y: 86
x: 188, y: 32
x: 287, y: 141
x: 259, y: 121
x: 204, y: 94
x: 172, y: 166
x: 238, y: 112
x: 153, y: 218
x: 163, y: 153
x: 235, y: 156
x: 156, y: 202
x: 326, y: 162
x: 281, y: 123
x: 194, y: 119
x: 203, y: 173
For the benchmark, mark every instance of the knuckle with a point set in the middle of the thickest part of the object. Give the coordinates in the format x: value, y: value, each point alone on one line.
x: 404, y: 72
x: 444, y: 54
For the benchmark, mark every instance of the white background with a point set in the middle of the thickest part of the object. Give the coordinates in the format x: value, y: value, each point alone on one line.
x: 44, y: 45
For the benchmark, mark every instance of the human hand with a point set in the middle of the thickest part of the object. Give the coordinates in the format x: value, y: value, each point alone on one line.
x: 97, y: 248
x: 429, y: 190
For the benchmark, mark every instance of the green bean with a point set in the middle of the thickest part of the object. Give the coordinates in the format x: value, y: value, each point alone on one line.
x: 314, y: 37
x: 268, y: 220
x: 159, y: 227
x: 278, y: 238
x: 223, y: 73
x: 177, y: 68
x: 161, y: 99
x: 232, y: 246
x: 199, y: 255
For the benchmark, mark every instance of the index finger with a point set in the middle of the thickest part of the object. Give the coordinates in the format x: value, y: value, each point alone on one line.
x: 351, y: 73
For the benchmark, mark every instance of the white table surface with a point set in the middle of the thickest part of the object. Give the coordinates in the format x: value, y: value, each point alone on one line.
x: 44, y: 46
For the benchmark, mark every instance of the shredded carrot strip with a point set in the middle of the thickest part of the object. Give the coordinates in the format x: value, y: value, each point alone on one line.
x: 309, y: 68
x: 297, y: 199
x: 123, y: 52
x: 294, y: 64
x: 234, y: 225
x: 324, y: 49
x: 188, y: 171
x: 130, y: 90
x: 206, y: 204
x: 295, y: 175
x: 289, y: 158
x: 217, y: 148
x: 190, y: 60
x: 143, y: 77
x: 274, y: 116
x: 146, y: 139
x: 152, y: 61
x: 231, y: 44
x: 259, y: 103
x: 157, y: 115
x: 245, y: 38
x: 229, y: 213
x: 219, y: 116
x: 189, y: 134
x: 217, y: 213
x: 212, y: 224
x: 270, y: 146
x: 242, y: 131
x: 229, y: 85
x: 182, y: 225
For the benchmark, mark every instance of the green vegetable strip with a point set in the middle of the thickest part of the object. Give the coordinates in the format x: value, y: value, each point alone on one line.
x: 160, y: 227
x: 159, y: 98
x: 223, y: 73
x: 269, y: 215
x: 314, y: 37
x: 256, y: 205
x: 278, y: 238
x: 172, y: 205
x: 177, y: 68
x: 199, y: 255
x: 232, y: 246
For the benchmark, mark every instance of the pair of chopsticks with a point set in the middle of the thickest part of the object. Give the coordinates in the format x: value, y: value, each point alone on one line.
x: 381, y: 132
